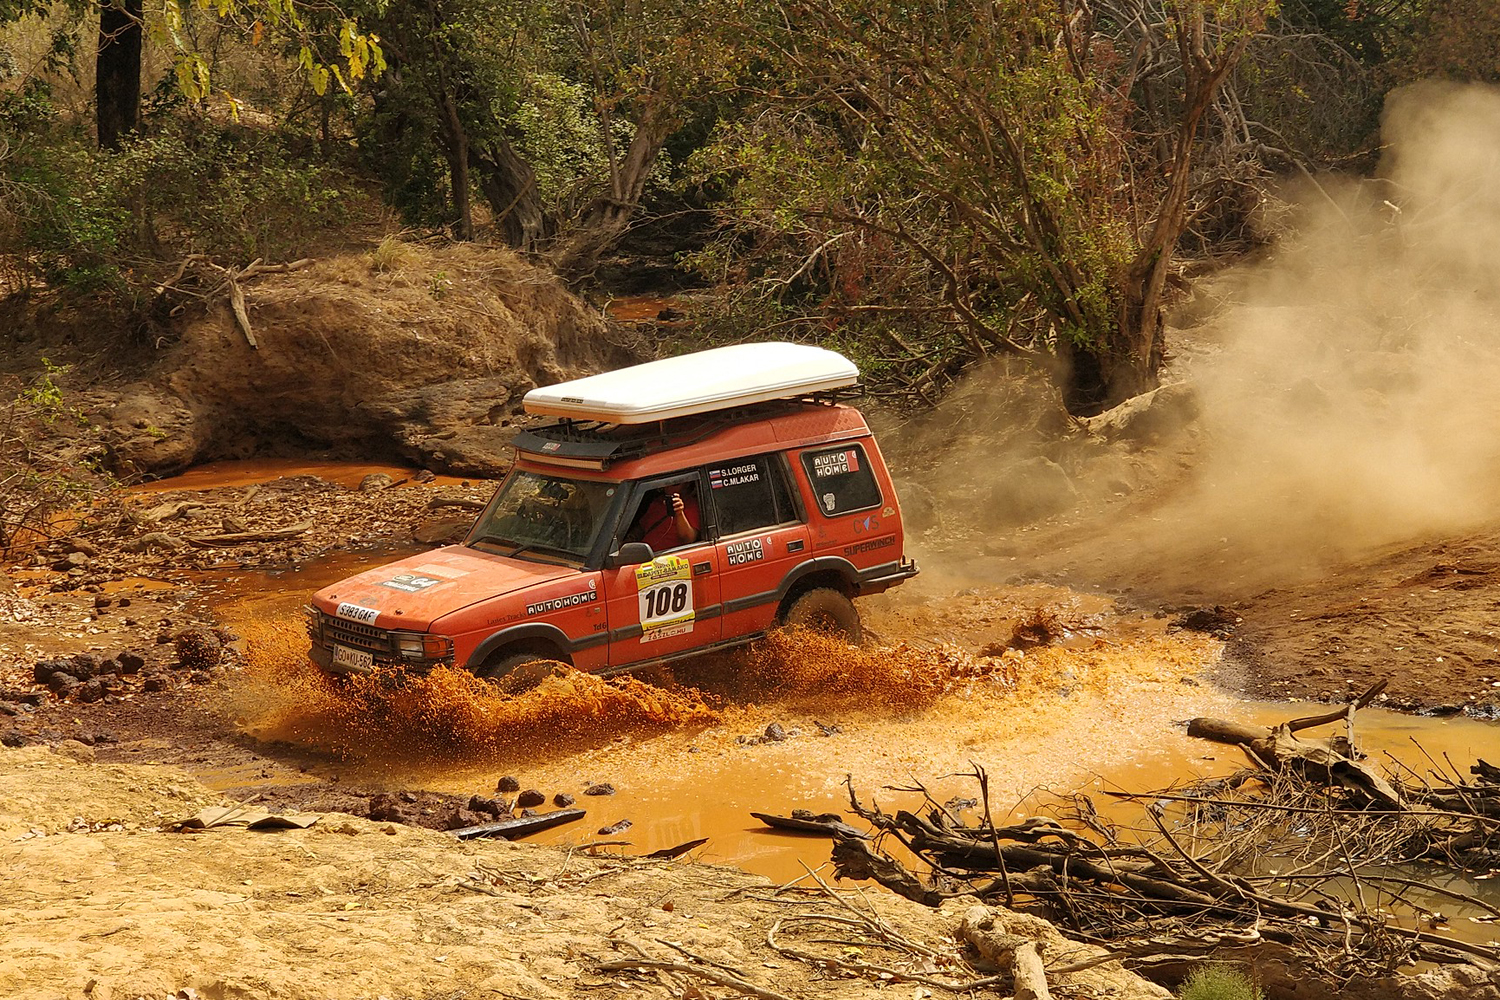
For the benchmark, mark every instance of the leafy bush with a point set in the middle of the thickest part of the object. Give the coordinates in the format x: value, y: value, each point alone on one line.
x: 1219, y: 982
x: 96, y: 221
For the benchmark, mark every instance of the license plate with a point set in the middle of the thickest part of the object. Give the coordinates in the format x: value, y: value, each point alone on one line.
x: 354, y: 659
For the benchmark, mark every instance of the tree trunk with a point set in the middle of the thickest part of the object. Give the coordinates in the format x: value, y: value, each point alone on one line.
x: 117, y: 76
x: 509, y: 185
x: 605, y: 219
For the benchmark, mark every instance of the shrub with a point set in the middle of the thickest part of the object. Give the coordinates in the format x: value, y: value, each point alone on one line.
x: 1219, y: 982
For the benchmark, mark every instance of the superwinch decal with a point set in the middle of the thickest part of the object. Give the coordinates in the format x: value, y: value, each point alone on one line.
x: 877, y: 543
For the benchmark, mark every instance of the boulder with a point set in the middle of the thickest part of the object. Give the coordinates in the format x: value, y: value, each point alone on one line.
x: 1030, y: 490
x: 1149, y: 418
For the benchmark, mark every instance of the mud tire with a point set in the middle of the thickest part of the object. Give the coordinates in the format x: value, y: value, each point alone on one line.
x: 827, y: 611
x: 518, y: 673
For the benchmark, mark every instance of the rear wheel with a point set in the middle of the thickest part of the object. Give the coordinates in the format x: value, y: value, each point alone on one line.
x: 517, y: 673
x: 827, y: 611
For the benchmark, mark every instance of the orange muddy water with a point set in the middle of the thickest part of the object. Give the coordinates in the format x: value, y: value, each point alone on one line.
x: 940, y: 693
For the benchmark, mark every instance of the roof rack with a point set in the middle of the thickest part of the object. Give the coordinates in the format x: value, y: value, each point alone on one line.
x: 595, y: 444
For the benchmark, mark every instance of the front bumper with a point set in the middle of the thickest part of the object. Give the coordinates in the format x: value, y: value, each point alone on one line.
x: 379, y: 648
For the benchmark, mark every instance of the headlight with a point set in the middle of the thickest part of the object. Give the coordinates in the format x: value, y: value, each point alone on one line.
x: 422, y: 646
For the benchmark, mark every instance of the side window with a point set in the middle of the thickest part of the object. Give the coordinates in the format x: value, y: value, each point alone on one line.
x: 750, y: 493
x: 841, y: 479
x: 667, y: 514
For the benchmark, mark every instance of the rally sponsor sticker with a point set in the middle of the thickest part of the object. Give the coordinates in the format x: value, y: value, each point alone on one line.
x: 835, y: 463
x: 666, y: 597
x: 440, y: 571
x: 565, y: 601
x: 356, y: 613
x: 410, y: 583
x: 739, y: 553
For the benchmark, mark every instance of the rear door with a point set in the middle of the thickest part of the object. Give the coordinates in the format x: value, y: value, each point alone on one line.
x: 671, y: 604
x: 762, y: 537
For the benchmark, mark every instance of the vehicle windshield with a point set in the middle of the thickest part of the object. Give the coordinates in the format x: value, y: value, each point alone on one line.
x: 544, y: 514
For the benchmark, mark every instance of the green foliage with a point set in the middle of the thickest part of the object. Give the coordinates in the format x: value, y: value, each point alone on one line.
x: 94, y: 221
x: 43, y: 472
x: 1218, y: 982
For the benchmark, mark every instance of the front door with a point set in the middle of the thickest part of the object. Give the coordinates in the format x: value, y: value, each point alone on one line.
x: 671, y: 604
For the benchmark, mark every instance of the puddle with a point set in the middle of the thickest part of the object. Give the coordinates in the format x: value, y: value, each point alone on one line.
x: 644, y: 308
x: 682, y: 747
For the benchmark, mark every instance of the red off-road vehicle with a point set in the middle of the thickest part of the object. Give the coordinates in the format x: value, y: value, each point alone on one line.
x: 679, y: 506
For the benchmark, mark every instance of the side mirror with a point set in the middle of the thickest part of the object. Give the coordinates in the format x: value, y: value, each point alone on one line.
x: 630, y: 554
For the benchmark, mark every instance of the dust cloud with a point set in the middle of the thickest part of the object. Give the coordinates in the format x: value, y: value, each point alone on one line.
x: 1348, y: 384
x: 1353, y: 398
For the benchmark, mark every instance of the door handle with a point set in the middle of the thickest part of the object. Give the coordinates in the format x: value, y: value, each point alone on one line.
x: 795, y: 546
x: 700, y: 568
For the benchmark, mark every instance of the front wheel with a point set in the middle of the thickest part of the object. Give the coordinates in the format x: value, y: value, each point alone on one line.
x: 517, y: 673
x: 826, y: 611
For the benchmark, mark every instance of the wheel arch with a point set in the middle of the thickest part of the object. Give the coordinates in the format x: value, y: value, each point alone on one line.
x: 825, y: 571
x: 549, y: 641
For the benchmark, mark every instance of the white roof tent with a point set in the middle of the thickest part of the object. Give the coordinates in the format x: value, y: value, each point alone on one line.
x: 718, y: 379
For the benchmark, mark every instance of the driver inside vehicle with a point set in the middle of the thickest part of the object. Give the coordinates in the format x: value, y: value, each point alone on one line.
x: 668, y: 517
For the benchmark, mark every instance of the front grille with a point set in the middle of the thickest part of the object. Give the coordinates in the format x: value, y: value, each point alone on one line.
x: 355, y: 634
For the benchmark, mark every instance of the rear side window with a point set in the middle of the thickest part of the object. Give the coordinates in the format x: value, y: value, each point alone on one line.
x: 750, y: 493
x: 842, y: 479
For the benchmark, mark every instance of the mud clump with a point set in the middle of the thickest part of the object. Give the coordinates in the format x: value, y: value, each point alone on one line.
x: 198, y: 649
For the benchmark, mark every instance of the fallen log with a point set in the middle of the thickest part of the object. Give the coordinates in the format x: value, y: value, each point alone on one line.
x: 520, y: 826
x: 246, y: 537
x: 672, y: 853
x: 820, y: 826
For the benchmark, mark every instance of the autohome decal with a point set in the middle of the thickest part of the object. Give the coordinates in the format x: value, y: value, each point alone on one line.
x: 558, y: 603
x: 739, y: 553
x: 874, y: 543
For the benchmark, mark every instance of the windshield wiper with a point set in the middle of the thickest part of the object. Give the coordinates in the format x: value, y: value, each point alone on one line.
x: 520, y: 547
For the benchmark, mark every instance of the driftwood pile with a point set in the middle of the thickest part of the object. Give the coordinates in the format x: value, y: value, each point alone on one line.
x: 1297, y: 853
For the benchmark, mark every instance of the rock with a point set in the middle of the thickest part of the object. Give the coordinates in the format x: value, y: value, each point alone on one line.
x: 775, y: 732
x: 155, y: 540
x: 199, y: 649
x: 101, y: 602
x: 62, y: 682
x: 200, y: 677
x: 601, y: 788
x: 375, y: 482
x: 42, y: 670
x: 155, y: 682
x: 384, y: 808
x: 130, y: 663
x: 528, y: 812
x: 1029, y: 490
x: 457, y: 819
x: 1218, y: 621
x: 71, y: 561
x: 508, y: 784
x: 424, y: 476
x: 13, y: 738
x: 618, y: 827
x: 6, y: 708
x: 89, y: 691
x: 79, y: 545
x: 480, y: 804
x: 1148, y: 418
x: 562, y: 800
x: 530, y: 797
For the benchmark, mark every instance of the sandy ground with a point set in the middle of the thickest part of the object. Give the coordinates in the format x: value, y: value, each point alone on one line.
x: 103, y: 903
